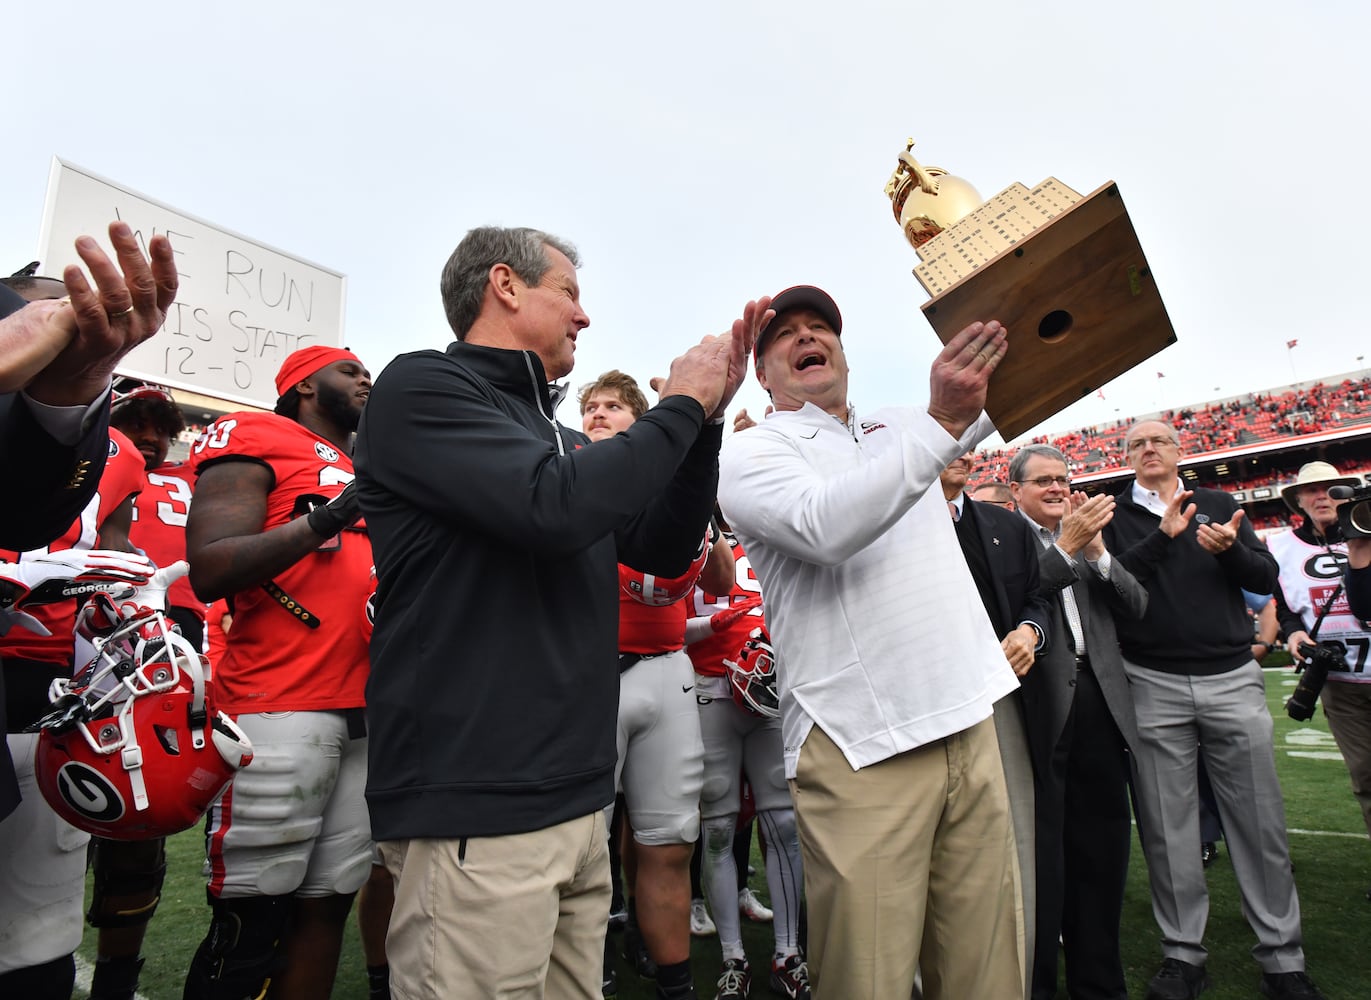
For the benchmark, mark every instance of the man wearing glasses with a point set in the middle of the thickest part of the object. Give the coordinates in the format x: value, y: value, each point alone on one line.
x: 1080, y: 717
x: 1197, y: 688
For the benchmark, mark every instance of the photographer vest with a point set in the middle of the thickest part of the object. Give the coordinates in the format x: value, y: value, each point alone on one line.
x: 1309, y: 574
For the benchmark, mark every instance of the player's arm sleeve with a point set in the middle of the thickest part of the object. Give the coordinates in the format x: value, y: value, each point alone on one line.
x: 770, y: 491
x: 434, y: 439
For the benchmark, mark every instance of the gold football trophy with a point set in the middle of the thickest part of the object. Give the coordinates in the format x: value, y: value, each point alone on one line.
x: 1063, y: 272
x: 927, y: 200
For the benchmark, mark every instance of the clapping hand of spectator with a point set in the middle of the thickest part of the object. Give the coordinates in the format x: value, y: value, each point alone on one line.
x: 742, y: 420
x: 1177, y: 516
x: 1219, y: 538
x: 1081, y: 527
x: 101, y: 324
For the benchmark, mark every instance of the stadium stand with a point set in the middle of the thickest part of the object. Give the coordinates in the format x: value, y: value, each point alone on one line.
x: 1248, y: 445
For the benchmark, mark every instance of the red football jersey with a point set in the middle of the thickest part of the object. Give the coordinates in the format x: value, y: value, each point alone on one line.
x: 708, y: 653
x: 215, y: 636
x: 159, y: 526
x: 122, y: 478
x: 294, y: 644
x: 648, y: 629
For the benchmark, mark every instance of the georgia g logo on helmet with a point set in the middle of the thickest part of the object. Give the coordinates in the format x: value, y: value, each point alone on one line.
x: 89, y: 793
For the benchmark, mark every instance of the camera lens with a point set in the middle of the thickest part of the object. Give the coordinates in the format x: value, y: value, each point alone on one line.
x: 1360, y: 516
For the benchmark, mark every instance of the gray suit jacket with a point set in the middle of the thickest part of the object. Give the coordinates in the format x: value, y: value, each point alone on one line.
x: 1048, y: 688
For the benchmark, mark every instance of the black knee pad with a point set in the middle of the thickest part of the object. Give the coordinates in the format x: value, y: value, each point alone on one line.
x: 50, y: 981
x: 242, y: 950
x: 125, y: 868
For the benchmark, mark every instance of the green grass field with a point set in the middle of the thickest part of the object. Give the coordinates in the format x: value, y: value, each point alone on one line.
x: 1327, y: 839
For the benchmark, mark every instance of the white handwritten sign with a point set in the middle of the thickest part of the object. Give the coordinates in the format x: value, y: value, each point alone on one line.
x: 241, y: 308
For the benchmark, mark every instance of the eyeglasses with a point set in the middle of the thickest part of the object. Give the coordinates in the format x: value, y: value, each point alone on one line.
x: 1043, y: 482
x: 1137, y: 444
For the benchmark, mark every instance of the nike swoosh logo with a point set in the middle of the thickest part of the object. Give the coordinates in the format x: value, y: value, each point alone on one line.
x: 810, y: 437
x: 687, y: 688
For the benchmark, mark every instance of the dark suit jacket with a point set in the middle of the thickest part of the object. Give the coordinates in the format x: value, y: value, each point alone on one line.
x: 46, y: 487
x: 1048, y: 689
x: 1012, y: 553
x: 47, y: 484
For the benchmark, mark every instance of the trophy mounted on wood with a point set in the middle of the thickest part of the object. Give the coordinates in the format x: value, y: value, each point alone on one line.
x: 1063, y: 272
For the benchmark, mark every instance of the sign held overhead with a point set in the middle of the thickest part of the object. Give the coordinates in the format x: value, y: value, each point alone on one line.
x: 242, y: 305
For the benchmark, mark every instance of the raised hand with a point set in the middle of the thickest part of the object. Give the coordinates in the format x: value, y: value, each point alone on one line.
x: 712, y: 370
x: 1217, y: 538
x: 1177, y: 516
x: 1082, y: 526
x: 127, y: 305
x: 744, y: 334
x: 961, y: 374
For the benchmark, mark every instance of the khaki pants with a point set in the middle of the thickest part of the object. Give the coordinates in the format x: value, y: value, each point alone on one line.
x: 909, y: 863
x: 519, y: 917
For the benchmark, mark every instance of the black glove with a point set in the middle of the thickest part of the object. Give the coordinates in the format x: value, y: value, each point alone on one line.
x: 343, y: 511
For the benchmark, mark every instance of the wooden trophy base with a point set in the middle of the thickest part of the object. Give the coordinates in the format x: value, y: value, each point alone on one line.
x: 1080, y: 304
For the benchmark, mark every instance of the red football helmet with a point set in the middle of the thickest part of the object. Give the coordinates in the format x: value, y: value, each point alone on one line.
x: 133, y: 748
x: 752, y: 677
x: 657, y: 591
x: 127, y: 387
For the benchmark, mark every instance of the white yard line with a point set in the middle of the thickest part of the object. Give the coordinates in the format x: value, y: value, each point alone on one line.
x: 1328, y: 833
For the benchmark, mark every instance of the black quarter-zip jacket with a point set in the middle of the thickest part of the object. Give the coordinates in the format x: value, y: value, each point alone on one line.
x: 493, y: 695
x: 1196, y: 621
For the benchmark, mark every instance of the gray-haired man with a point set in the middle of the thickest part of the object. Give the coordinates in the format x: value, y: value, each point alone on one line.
x: 1080, y: 718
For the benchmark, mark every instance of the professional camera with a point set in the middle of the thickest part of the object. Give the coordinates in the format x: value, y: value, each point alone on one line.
x: 1326, y: 655
x: 1354, y: 516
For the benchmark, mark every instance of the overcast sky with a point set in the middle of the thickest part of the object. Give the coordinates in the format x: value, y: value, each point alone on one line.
x: 703, y: 154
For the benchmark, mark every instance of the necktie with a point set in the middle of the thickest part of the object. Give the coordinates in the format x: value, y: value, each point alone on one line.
x: 952, y: 509
x: 1073, y: 613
